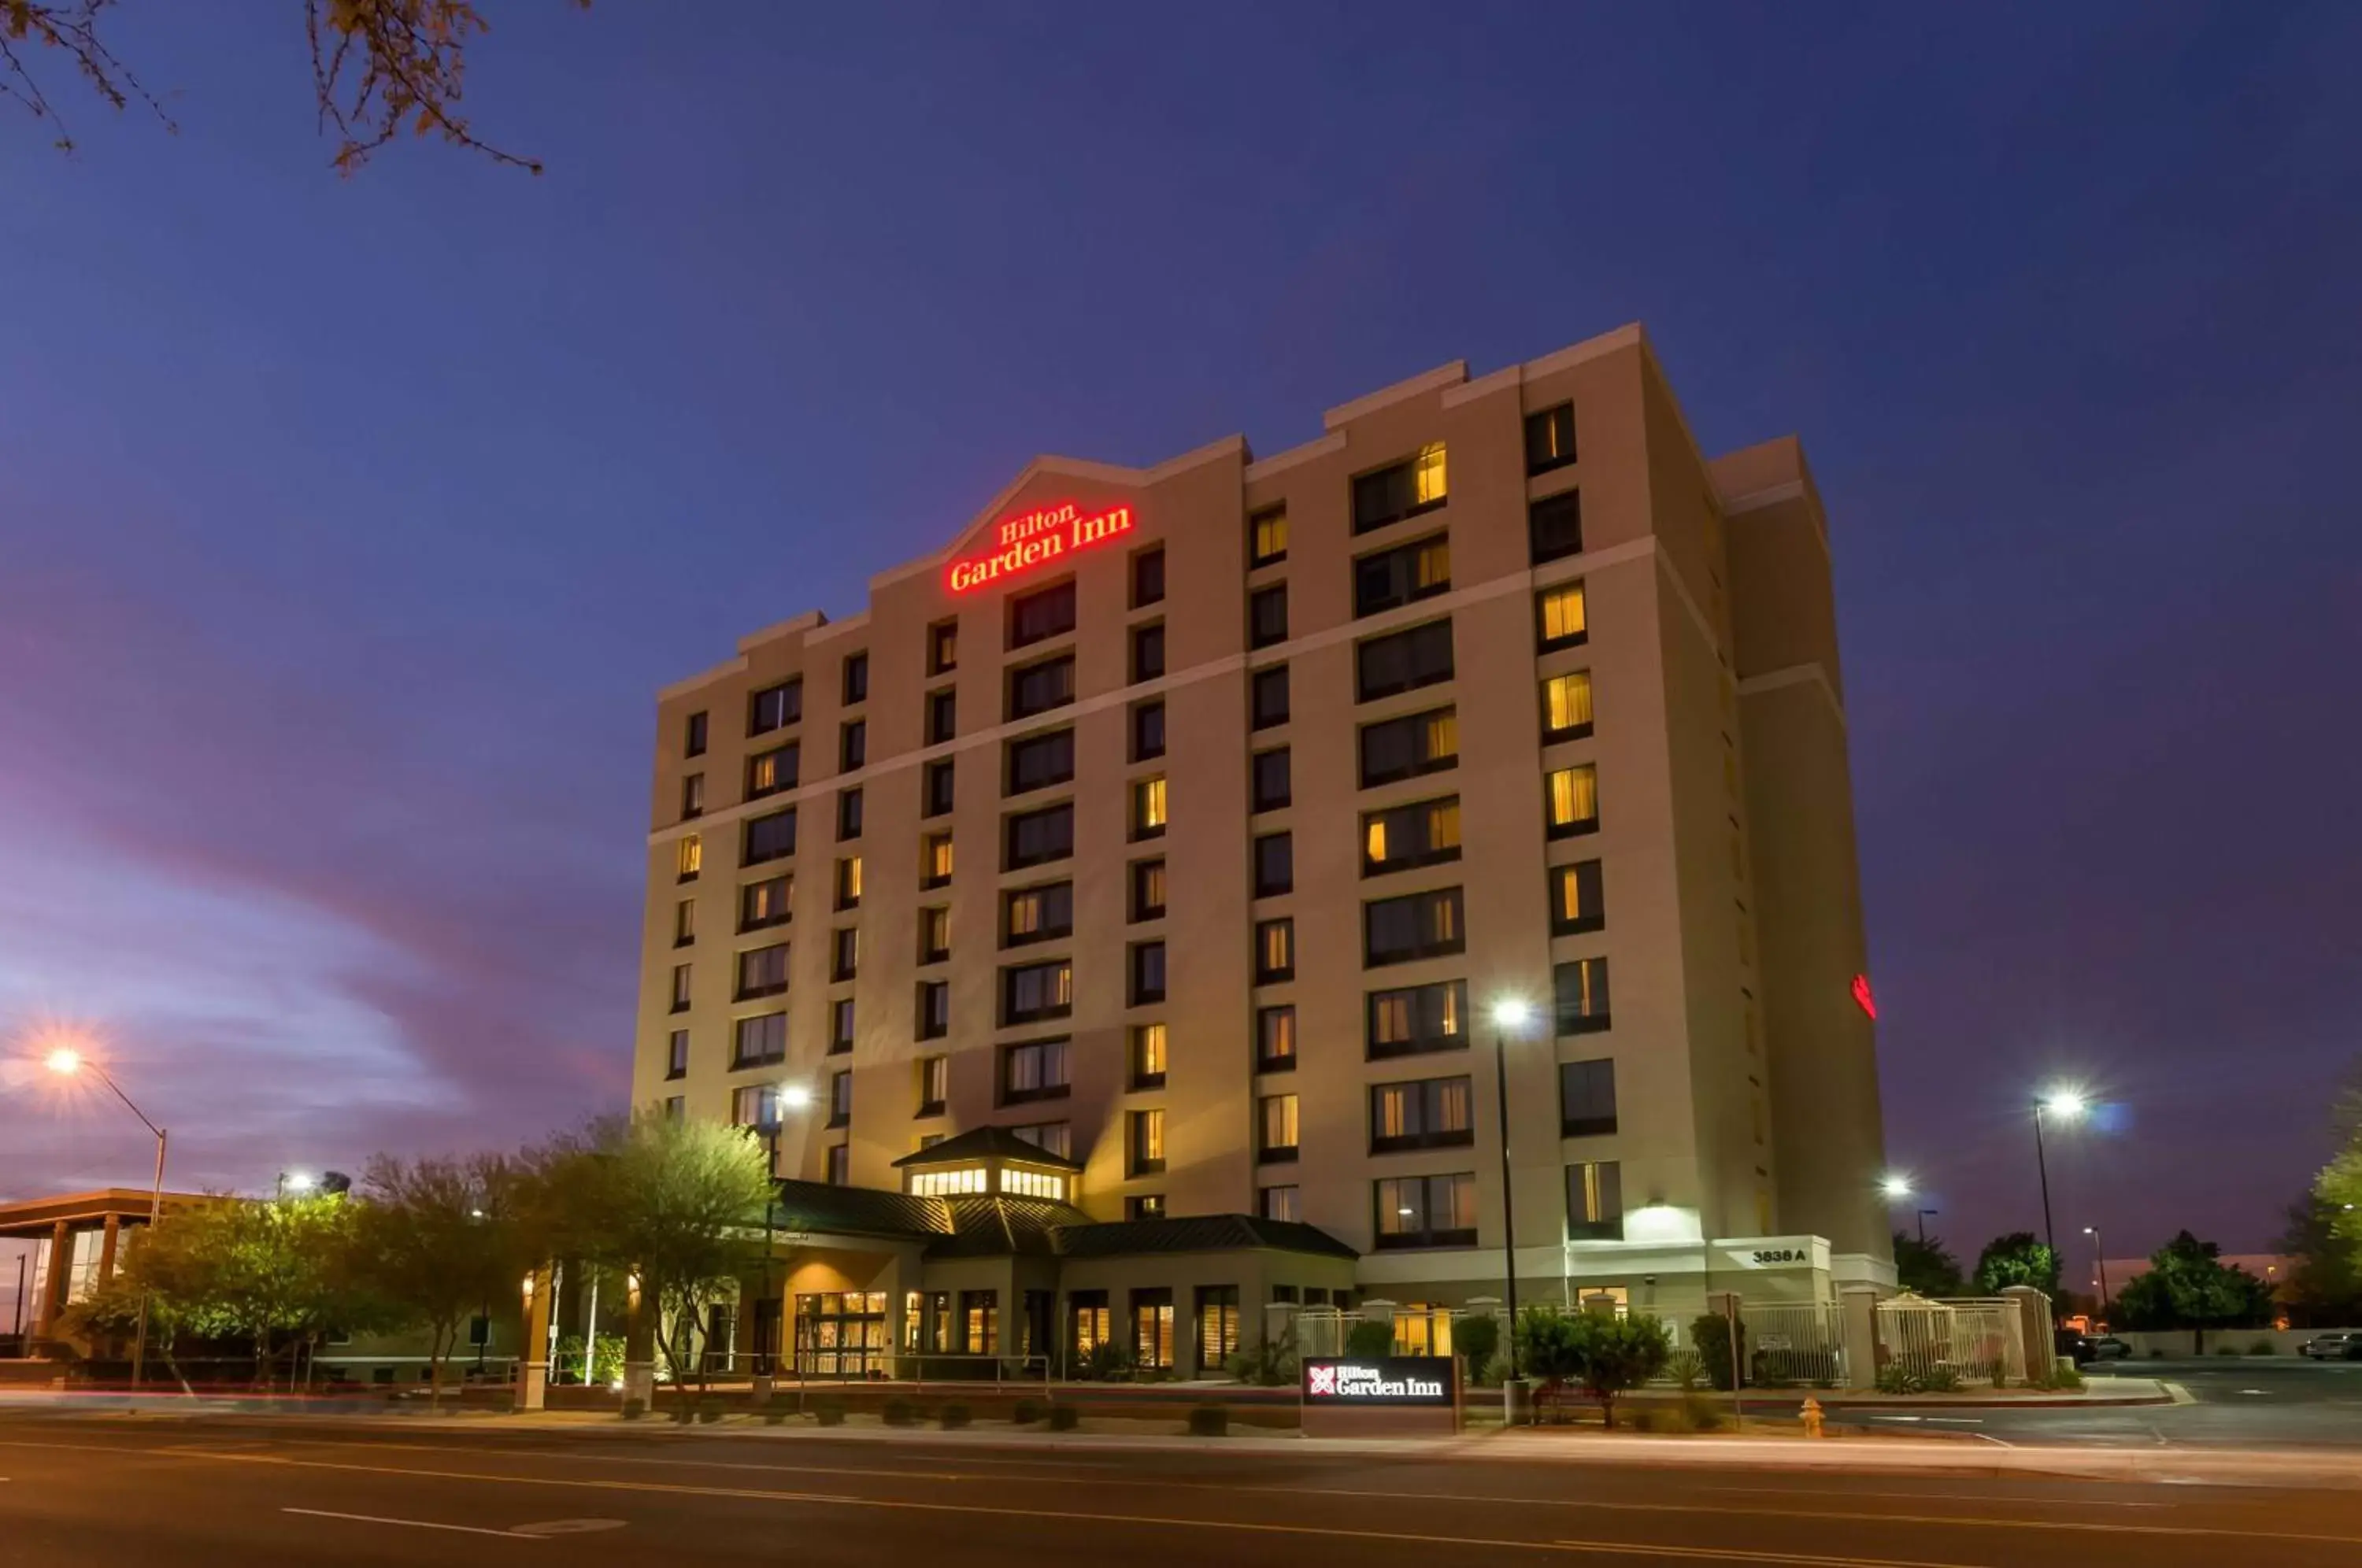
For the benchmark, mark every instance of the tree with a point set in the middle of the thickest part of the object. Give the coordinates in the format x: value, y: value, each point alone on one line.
x: 2018, y: 1258
x: 2325, y: 1278
x: 1603, y: 1352
x: 379, y: 67
x: 439, y: 1240
x: 2188, y: 1286
x: 1926, y: 1268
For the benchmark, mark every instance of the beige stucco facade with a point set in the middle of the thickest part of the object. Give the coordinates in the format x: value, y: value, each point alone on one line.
x: 1745, y: 1105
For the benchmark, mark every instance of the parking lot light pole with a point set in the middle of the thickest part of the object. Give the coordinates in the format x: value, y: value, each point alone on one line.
x: 2100, y: 1256
x: 1510, y: 1016
x: 66, y: 1062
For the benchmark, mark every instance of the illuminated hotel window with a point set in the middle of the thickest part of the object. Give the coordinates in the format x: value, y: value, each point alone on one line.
x: 951, y: 1183
x: 765, y: 903
x: 689, y: 855
x: 1594, y: 1201
x: 1581, y: 996
x: 934, y: 934
x: 1410, y: 745
x: 1148, y: 1055
x: 1037, y: 914
x: 1148, y: 807
x: 1427, y: 1212
x: 1424, y: 832
x: 1276, y: 1129
x: 1152, y: 1328
x: 1032, y: 992
x: 1573, y: 800
x: 1416, y: 925
x: 1034, y: 1184
x: 1275, y: 1039
x: 1427, y: 1114
x: 1412, y: 1020
x: 1401, y: 490
x: 935, y: 860
x: 1275, y: 952
x: 848, y: 882
x: 1145, y: 1141
x: 1391, y: 578
x: 1144, y: 1206
x: 768, y: 772
x: 943, y: 648
x: 1267, y: 537
x: 1566, y: 706
x: 1576, y: 902
x: 1559, y: 613
x: 1550, y: 438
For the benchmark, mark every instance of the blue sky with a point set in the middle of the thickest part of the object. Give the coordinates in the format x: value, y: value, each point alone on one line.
x: 347, y: 526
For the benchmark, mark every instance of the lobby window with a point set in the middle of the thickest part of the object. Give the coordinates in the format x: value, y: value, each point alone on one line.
x: 1267, y: 697
x: 1550, y: 438
x: 1147, y: 730
x: 1571, y: 796
x: 1281, y: 1203
x: 934, y: 934
x: 840, y: 1026
x: 935, y: 791
x: 775, y: 707
x: 933, y: 1015
x: 1399, y: 490
x: 1038, y: 688
x: 1586, y: 1098
x: 1391, y: 578
x: 1148, y: 652
x: 684, y: 922
x: 979, y: 1323
x: 1148, y: 1055
x: 1055, y: 1137
x: 1147, y: 890
x: 759, y: 1040
x: 1427, y: 1114
x: 1408, y: 747
x: 1148, y: 578
x: 768, y: 772
x: 1275, y: 865
x: 1152, y: 1328
x: 677, y: 1055
x: 1275, y: 1039
x: 1581, y: 989
x: 1147, y: 970
x: 935, y: 860
x: 934, y: 1085
x: 1036, y: 762
x: 1274, y: 786
x: 1276, y: 1129
x: 756, y: 1105
x: 1036, y: 617
x: 692, y: 796
x: 1576, y: 901
x: 1566, y: 706
x: 1031, y: 992
x: 762, y: 971
x: 1594, y: 1201
x: 1560, y: 619
x: 1411, y: 1021
x: 856, y: 678
x: 848, y: 882
x: 1416, y: 925
x: 1426, y: 1212
x: 852, y: 746
x: 1037, y: 914
x: 943, y: 647
x: 1275, y: 954
x: 1033, y: 1070
x: 1036, y: 837
x: 1267, y: 537
x: 1555, y: 527
x: 844, y: 953
x: 849, y: 814
x: 1403, y: 661
x: 681, y: 973
x: 693, y: 739
x: 1144, y: 1142
x: 1218, y: 1326
x: 840, y: 1099
x: 943, y: 715
x: 1424, y: 832
x: 1148, y: 807
x: 838, y: 1171
x: 689, y: 857
x: 1267, y: 616
x: 1144, y: 1206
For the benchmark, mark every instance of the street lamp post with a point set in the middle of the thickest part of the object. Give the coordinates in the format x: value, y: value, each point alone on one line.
x: 1509, y: 1013
x: 66, y: 1062
x: 791, y: 1097
x: 2100, y: 1256
x: 2067, y: 1105
x: 1923, y: 1223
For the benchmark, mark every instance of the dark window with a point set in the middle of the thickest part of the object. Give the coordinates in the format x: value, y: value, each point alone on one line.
x: 849, y: 814
x: 934, y: 1081
x: 943, y: 715
x: 1392, y: 579
x: 768, y: 772
x: 1424, y: 832
x: 1417, y: 925
x: 843, y: 953
x: 1275, y: 1039
x: 1560, y: 618
x: 1582, y: 993
x: 1048, y: 614
x: 1267, y: 690
x: 1267, y: 616
x: 1273, y: 787
x: 1038, y: 688
x: 1576, y: 901
x: 1594, y: 1201
x: 1144, y: 1206
x: 764, y: 903
x: 1033, y: 1070
x: 1550, y: 438
x: 1410, y: 745
x: 1402, y: 490
x: 1147, y: 973
x: 1275, y: 954
x: 692, y: 796
x: 1426, y: 1212
x: 1148, y: 890
x: 936, y: 797
x: 1036, y: 762
x: 1267, y: 537
x: 692, y: 743
x: 1555, y: 527
x: 1035, y: 838
x: 852, y: 746
x: 943, y: 648
x: 762, y: 972
x: 1429, y: 1113
x: 1275, y: 865
x: 759, y: 1040
x: 1586, y: 1098
x: 1148, y: 651
x: 1414, y: 1020
x: 840, y: 1026
x: 770, y: 837
x: 677, y: 1055
x: 1404, y: 660
x: 1147, y: 577
x: 1147, y: 731
x: 1037, y: 914
x: 856, y: 678
x: 775, y: 707
x: 1029, y: 992
x: 840, y: 1104
x: 934, y: 934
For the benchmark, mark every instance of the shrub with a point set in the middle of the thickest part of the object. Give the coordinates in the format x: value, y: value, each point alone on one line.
x: 683, y: 1413
x: 2263, y: 1347
x: 1710, y: 1334
x: 1774, y: 1369
x: 1941, y: 1379
x: 1686, y: 1368
x: 1209, y: 1420
x: 1369, y: 1340
x: 2067, y: 1376
x: 773, y: 1416
x: 1064, y: 1418
x: 1478, y: 1341
x: 1027, y: 1411
x: 901, y: 1412
x: 1642, y: 1421
x: 2155, y: 1353
x: 1267, y: 1364
x: 635, y: 1408
x: 709, y: 1413
x: 830, y: 1410
x: 1108, y: 1362
x: 1598, y: 1352
x: 1700, y: 1414
x: 955, y: 1415
x: 1895, y: 1377
x: 2226, y: 1349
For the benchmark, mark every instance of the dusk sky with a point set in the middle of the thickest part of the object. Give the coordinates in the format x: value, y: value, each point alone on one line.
x: 348, y: 528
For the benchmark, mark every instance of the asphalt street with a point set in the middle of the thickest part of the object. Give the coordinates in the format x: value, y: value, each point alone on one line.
x: 94, y: 1492
x: 2238, y: 1402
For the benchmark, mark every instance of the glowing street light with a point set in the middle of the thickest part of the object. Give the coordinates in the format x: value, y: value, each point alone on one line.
x: 1895, y: 1187
x: 795, y: 1097
x: 67, y: 1062
x: 2065, y: 1104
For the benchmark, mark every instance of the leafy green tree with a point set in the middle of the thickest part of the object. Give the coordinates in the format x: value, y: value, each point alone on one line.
x: 440, y: 1240
x: 2324, y: 1276
x: 2018, y: 1258
x: 1477, y: 1339
x: 1600, y: 1352
x: 1710, y: 1334
x: 1926, y: 1268
x: 2188, y: 1286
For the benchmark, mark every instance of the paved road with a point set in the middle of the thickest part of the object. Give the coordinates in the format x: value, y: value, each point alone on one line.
x: 97, y: 1491
x: 2241, y: 1402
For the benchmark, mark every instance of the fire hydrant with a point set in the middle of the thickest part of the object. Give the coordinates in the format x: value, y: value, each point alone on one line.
x: 1811, y: 1414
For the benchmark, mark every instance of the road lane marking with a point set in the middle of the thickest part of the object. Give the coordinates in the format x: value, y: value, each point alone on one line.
x: 1933, y: 1497
x: 411, y: 1524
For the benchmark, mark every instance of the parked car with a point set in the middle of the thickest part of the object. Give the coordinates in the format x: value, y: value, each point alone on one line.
x: 2086, y: 1349
x: 2332, y: 1347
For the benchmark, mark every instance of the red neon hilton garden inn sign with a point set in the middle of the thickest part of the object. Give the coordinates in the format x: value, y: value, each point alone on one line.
x: 1042, y: 534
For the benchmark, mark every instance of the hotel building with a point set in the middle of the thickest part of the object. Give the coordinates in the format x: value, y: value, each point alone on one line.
x: 1175, y: 837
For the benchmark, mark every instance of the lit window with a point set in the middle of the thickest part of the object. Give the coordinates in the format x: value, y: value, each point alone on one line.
x: 848, y: 882
x: 1594, y: 1201
x: 1573, y: 800
x: 1267, y: 537
x: 1148, y: 807
x: 1566, y: 706
x: 937, y: 861
x: 1280, y: 1203
x: 1560, y: 613
x: 1276, y: 1039
x: 1276, y: 1129
x: 1274, y: 951
x: 1146, y: 1141
x: 1147, y: 1055
x: 1427, y: 475
x: 1575, y: 900
x: 952, y: 1183
x: 689, y: 855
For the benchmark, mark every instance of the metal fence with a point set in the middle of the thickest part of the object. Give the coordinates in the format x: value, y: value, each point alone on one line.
x: 1965, y: 1343
x: 1792, y: 1343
